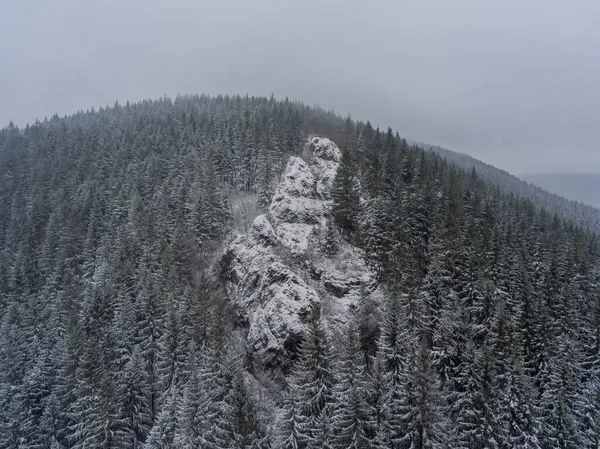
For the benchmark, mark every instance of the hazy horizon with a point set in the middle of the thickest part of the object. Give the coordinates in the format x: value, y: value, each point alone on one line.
x: 583, y: 187
x: 511, y: 84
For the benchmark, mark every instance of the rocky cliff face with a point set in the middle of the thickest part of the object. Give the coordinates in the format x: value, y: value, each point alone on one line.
x: 275, y: 273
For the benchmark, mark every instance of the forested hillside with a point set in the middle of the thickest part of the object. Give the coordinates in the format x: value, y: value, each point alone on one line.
x: 584, y: 187
x: 564, y: 198
x: 475, y: 322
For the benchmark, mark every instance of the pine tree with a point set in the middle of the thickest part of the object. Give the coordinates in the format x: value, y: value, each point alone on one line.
x: 213, y: 381
x: 134, y: 393
x: 266, y: 173
x: 170, y: 357
x: 163, y: 432
x: 377, y: 391
x: 395, y: 339
x: 588, y: 399
x: 351, y: 416
x: 346, y: 195
x: 313, y: 379
x: 323, y: 437
x: 238, y: 426
x: 149, y: 334
x: 375, y: 225
x: 290, y: 432
x: 331, y: 242
x: 424, y: 421
x: 191, y: 425
x: 558, y: 419
x: 97, y: 420
x: 37, y: 389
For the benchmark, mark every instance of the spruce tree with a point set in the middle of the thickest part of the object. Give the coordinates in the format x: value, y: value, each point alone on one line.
x: 346, y: 195
x: 313, y: 378
x: 290, y: 431
x: 352, y: 415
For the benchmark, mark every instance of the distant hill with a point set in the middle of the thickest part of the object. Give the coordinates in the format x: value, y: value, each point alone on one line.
x: 574, y: 207
x: 584, y: 187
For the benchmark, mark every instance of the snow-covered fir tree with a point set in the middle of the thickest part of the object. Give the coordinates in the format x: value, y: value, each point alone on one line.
x: 392, y: 296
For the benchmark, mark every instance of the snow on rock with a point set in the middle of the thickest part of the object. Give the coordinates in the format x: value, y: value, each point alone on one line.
x: 295, y: 200
x: 327, y: 160
x: 277, y: 324
x: 295, y: 236
x: 295, y: 209
x: 297, y: 180
x: 276, y: 272
x: 262, y: 231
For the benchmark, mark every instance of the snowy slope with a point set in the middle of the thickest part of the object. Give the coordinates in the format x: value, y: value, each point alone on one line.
x: 277, y: 271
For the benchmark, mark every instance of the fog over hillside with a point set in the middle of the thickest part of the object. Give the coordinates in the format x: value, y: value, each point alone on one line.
x: 584, y: 187
x: 512, y: 83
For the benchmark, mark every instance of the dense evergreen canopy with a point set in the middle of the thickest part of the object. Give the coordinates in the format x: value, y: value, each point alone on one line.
x: 115, y: 333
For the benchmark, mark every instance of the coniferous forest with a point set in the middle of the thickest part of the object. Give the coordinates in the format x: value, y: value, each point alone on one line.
x: 117, y: 329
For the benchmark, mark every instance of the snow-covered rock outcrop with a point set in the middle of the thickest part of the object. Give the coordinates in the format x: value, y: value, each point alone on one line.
x: 277, y: 271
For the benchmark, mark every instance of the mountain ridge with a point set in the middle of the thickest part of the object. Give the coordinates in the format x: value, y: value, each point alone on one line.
x: 582, y: 187
x: 587, y: 215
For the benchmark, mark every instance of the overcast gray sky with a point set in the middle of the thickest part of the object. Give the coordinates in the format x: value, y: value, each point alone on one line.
x: 514, y: 83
